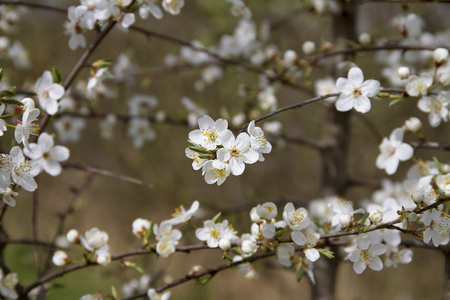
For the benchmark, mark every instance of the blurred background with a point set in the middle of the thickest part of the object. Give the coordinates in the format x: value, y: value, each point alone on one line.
x: 291, y: 172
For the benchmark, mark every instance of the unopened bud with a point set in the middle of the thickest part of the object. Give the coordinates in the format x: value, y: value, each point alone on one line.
x: 376, y: 216
x: 404, y: 72
x: 289, y: 58
x: 413, y: 124
x: 365, y: 39
x: 417, y: 197
x: 440, y: 55
x: 73, y: 236
x: 224, y: 244
x: 447, y: 190
x: 309, y: 47
x: 345, y: 220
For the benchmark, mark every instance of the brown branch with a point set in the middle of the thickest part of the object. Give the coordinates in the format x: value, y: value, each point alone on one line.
x: 430, y: 145
x: 97, y: 171
x: 35, y: 5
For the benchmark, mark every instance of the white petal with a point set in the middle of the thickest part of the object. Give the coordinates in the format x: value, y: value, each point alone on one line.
x: 362, y: 104
x: 404, y: 152
x: 345, y: 102
x: 356, y: 76
x: 370, y: 88
x: 312, y: 254
x: 376, y: 264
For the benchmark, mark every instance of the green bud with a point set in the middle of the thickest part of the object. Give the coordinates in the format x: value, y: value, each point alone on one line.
x: 101, y: 63
x: 199, y: 149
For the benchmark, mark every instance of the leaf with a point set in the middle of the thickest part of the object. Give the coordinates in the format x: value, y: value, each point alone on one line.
x: 438, y: 164
x: 363, y: 219
x: 216, y: 217
x: 327, y: 253
x: 203, y: 280
x: 114, y: 292
x: 199, y: 149
x: 395, y: 101
x: 11, y: 101
x: 300, y: 272
x: 56, y: 74
x: 133, y: 266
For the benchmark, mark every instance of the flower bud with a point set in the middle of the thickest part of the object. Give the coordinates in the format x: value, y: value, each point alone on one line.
x: 444, y: 78
x: 267, y: 211
x: 345, y: 220
x: 103, y: 258
x: 73, y: 236
x: 417, y: 197
x: 447, y: 190
x: 254, y: 216
x: 376, y: 216
x: 413, y: 124
x: 309, y: 47
x: 224, y: 244
x: 445, y: 168
x: 248, y: 247
x: 289, y: 58
x: 404, y: 72
x: 140, y: 227
x: 365, y: 39
x: 60, y: 258
x: 440, y: 55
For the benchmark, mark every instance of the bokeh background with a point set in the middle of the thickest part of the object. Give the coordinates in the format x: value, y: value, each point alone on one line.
x: 290, y: 172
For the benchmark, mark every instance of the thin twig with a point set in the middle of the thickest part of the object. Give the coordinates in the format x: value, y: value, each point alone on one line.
x: 97, y: 171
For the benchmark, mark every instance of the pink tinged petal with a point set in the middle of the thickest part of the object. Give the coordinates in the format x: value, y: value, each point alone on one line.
x: 376, y: 264
x: 298, y: 237
x: 370, y: 88
x: 52, y: 167
x: 356, y: 76
x: 237, y: 166
x: 345, y: 102
x: 359, y: 267
x: 404, y: 152
x: 312, y: 254
x: 362, y: 104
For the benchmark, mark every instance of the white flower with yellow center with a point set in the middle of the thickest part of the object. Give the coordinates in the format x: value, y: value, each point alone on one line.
x: 309, y: 239
x: 216, y: 172
x: 258, y: 140
x: 366, y: 254
x: 173, y: 6
x: 27, y: 126
x: 236, y: 152
x: 436, y: 106
x: 182, y: 215
x: 23, y: 170
x: 208, y: 136
x: 419, y: 85
x: 355, y: 92
x: 212, y: 233
x: 295, y: 219
x: 393, y: 150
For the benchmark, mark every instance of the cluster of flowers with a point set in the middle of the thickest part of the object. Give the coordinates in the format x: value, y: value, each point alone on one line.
x: 94, y: 244
x: 91, y: 14
x: 219, y: 153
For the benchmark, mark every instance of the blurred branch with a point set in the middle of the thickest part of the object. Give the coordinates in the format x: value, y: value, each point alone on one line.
x: 10, y: 241
x: 97, y: 171
x: 35, y: 5
x: 400, y: 1
x: 430, y: 145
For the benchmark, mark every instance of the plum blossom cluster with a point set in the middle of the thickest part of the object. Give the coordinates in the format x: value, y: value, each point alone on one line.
x: 90, y: 15
x: 219, y: 153
x: 94, y: 244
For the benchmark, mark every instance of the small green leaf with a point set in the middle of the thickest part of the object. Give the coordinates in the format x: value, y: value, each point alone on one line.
x: 198, y: 149
x: 1, y: 73
x: 56, y: 74
x: 300, y: 272
x: 395, y: 101
x: 11, y: 101
x: 114, y: 292
x: 203, y: 280
x: 383, y: 95
x: 102, y: 63
x: 363, y: 219
x: 216, y: 217
x: 350, y: 43
x: 12, y: 90
x: 438, y: 164
x: 133, y: 266
x: 327, y: 253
